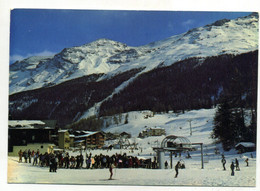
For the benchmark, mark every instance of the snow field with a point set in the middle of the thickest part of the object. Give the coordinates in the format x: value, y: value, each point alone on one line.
x: 192, y: 175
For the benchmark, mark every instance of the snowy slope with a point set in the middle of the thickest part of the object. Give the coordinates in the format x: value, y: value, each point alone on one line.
x: 110, y: 57
x: 174, y: 124
x: 192, y: 175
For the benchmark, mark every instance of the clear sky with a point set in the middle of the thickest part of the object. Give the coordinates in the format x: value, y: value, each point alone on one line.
x: 46, y: 32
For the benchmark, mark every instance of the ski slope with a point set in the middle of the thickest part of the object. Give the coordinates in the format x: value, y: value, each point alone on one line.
x: 212, y: 174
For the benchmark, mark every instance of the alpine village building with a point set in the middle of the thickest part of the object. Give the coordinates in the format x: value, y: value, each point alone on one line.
x: 44, y: 136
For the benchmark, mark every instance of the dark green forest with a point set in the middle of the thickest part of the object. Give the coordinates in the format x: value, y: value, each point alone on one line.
x: 189, y: 84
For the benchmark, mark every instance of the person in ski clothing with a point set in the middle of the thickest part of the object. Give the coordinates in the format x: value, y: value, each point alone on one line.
x: 166, y: 164
x: 29, y: 155
x: 81, y: 160
x: 177, y: 166
x: 111, y: 171
x: 52, y: 164
x: 25, y: 155
x: 223, y: 160
x: 237, y: 164
x: 35, y: 158
x: 246, y: 161
x: 232, y: 167
x: 20, y: 153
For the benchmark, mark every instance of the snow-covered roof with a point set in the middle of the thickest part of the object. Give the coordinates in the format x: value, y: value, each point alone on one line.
x: 88, y: 133
x: 28, y: 124
x: 62, y: 131
x: 246, y: 144
x: 79, y: 141
x: 14, y: 123
x: 150, y: 128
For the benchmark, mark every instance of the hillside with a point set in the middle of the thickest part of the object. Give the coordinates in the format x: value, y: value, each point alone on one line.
x: 184, y: 72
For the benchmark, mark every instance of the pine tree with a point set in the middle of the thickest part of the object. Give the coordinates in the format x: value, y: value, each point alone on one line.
x: 115, y: 120
x: 126, y: 118
x: 222, y: 130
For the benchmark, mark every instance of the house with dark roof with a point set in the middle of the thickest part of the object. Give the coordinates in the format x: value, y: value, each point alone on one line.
x: 125, y: 135
x: 243, y: 147
x: 30, y: 134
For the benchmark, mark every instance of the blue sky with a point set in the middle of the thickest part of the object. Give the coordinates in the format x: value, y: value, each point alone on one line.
x: 46, y: 32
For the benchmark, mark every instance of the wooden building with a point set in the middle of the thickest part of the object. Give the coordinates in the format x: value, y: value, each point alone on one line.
x: 243, y: 147
x: 152, y: 131
x: 125, y: 135
x: 91, y: 139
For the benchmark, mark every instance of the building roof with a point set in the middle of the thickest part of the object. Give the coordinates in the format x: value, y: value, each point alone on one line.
x: 29, y: 124
x: 62, y: 131
x: 246, y: 144
x: 124, y: 133
x: 24, y: 122
x: 79, y: 141
x: 88, y: 133
x: 156, y: 127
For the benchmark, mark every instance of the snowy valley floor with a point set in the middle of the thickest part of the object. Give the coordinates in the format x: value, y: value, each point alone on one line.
x: 192, y: 175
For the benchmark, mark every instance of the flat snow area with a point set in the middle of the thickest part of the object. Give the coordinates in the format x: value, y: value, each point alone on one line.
x: 202, y: 124
x: 192, y: 175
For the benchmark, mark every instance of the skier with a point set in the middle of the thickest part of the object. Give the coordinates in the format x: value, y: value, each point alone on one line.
x: 20, y: 153
x: 56, y: 163
x: 111, y: 171
x: 232, y: 167
x: 177, y: 166
x: 246, y: 161
x: 223, y: 162
x: 29, y: 155
x: 166, y: 164
x: 52, y: 164
x: 25, y: 155
x: 35, y: 158
x: 237, y: 164
x: 81, y: 158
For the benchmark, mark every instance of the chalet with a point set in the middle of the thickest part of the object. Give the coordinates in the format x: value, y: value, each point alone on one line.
x: 111, y: 136
x: 90, y: 139
x: 152, y: 131
x: 243, y: 147
x: 125, y: 135
x: 30, y: 134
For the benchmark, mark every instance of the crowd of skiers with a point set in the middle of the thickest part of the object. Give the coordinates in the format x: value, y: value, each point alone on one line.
x: 234, y: 164
x: 62, y: 159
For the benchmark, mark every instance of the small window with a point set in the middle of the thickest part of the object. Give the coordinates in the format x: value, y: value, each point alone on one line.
x: 42, y: 147
x: 33, y: 137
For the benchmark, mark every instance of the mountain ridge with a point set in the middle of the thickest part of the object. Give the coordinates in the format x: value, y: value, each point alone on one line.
x: 184, y: 85
x: 110, y: 57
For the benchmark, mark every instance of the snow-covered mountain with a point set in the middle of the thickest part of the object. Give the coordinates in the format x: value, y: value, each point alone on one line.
x: 110, y: 57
